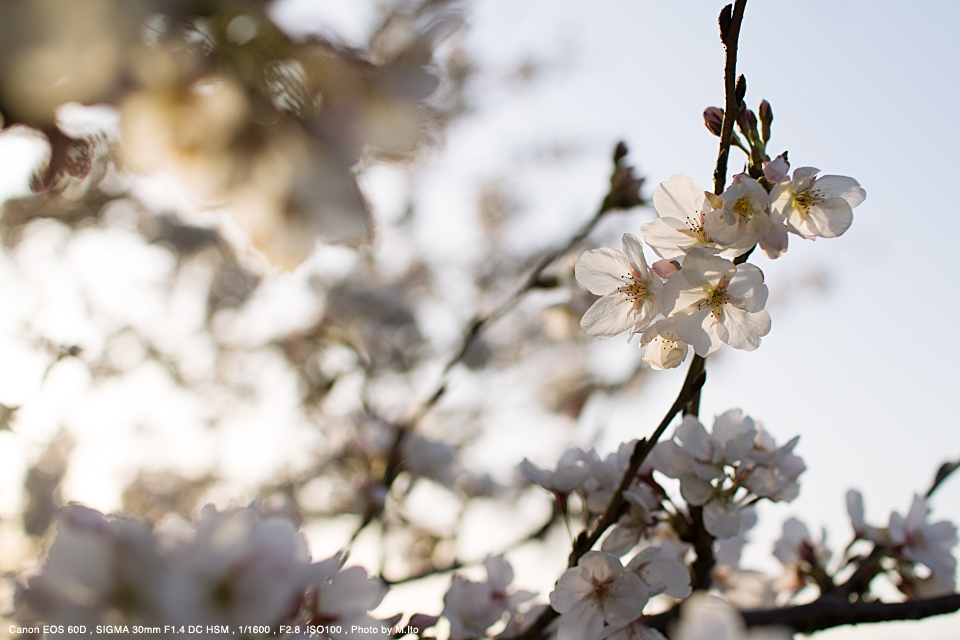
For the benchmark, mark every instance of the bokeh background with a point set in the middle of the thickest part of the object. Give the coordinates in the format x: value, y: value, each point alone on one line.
x: 184, y: 388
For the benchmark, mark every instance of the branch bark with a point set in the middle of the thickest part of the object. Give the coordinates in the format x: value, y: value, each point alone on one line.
x: 830, y: 611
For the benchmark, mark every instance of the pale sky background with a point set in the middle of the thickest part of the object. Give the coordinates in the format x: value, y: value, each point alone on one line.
x: 864, y: 369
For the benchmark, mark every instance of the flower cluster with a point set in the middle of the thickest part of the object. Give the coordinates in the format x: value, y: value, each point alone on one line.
x: 723, y: 470
x: 473, y: 607
x: 231, y: 568
x: 912, y: 540
x: 704, y: 297
x: 594, y: 480
x: 600, y: 597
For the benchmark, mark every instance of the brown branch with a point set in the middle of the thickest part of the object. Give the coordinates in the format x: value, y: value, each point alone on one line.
x: 829, y: 612
x: 943, y: 473
x: 826, y: 613
x: 729, y: 35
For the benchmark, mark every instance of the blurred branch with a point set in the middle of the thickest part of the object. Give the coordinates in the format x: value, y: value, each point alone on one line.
x: 623, y: 193
x: 830, y: 611
x: 539, y: 534
x: 943, y: 473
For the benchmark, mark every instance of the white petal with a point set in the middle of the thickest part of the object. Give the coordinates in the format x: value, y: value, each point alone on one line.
x: 702, y: 269
x: 670, y: 459
x: 695, y: 438
x: 831, y: 217
x: 610, y: 315
x: 843, y: 187
x: 774, y: 244
x: 741, y: 329
x: 694, y: 490
x: 746, y: 288
x: 582, y: 622
x: 680, y: 197
x: 698, y: 328
x: 668, y: 237
x: 602, y: 270
x: 634, y: 252
x: 721, y: 518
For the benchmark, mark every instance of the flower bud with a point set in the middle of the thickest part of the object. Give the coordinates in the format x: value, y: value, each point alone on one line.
x: 665, y: 268
x: 766, y: 117
x: 776, y: 170
x: 713, y: 118
x: 747, y: 121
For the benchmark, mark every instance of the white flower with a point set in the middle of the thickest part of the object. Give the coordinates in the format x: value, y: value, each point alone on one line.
x: 796, y: 546
x: 707, y: 617
x: 817, y: 207
x: 239, y: 569
x: 344, y: 600
x: 472, y: 607
x: 926, y: 543
x: 629, y: 289
x: 96, y: 565
x: 605, y: 475
x: 665, y: 349
x: 775, y: 473
x: 743, y: 220
x: 571, y: 472
x: 661, y: 572
x: 634, y: 523
x: 682, y: 205
x: 712, y: 300
x: 595, y: 594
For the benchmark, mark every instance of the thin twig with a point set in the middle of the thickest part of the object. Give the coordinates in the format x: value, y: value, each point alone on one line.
x: 622, y: 194
x: 943, y: 473
x: 729, y: 35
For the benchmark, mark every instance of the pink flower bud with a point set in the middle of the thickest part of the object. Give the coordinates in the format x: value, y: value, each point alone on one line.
x: 776, y: 170
x: 766, y: 117
x: 665, y: 268
x: 713, y: 118
x: 747, y: 121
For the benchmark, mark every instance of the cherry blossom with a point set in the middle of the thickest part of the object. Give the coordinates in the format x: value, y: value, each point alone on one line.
x: 473, y: 607
x: 775, y: 470
x: 630, y: 290
x: 712, y: 300
x: 817, y: 206
x: 682, y: 205
x: 800, y: 554
x: 626, y: 534
x: 665, y: 349
x: 344, y: 598
x: 927, y: 543
x: 661, y: 572
x: 743, y: 218
x: 596, y: 597
x: 571, y: 472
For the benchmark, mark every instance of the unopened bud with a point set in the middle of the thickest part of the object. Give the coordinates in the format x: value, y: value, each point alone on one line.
x: 747, y: 121
x: 713, y: 118
x: 776, y: 169
x: 766, y: 117
x: 665, y: 268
